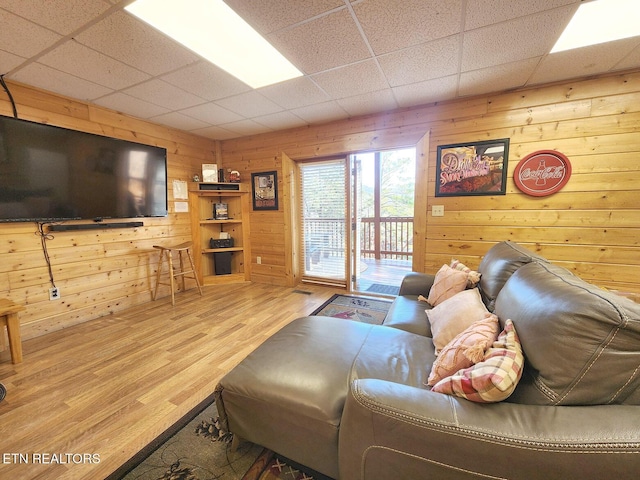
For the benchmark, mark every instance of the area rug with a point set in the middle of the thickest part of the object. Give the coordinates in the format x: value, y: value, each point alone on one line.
x: 269, y: 466
x: 361, y: 309
x: 200, y: 451
x: 384, y: 289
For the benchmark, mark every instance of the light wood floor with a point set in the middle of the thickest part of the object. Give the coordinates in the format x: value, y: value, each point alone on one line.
x: 106, y: 388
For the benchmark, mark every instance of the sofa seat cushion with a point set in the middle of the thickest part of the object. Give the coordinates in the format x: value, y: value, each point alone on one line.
x: 396, y: 356
x: 408, y: 313
x: 581, y: 343
x: 289, y: 393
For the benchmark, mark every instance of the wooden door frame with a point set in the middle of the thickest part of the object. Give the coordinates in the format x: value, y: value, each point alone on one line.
x: 420, y: 213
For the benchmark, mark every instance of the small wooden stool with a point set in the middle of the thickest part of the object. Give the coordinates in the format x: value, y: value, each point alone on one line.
x: 168, y: 251
x: 9, y: 317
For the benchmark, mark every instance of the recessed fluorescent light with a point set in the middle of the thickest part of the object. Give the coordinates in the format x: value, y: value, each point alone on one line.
x: 213, y: 30
x: 600, y: 21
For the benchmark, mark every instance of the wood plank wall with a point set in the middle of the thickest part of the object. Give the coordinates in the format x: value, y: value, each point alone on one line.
x: 97, y: 271
x: 591, y: 227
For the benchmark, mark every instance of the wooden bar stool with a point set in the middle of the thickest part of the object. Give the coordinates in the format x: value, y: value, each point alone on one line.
x: 9, y: 317
x: 168, y: 252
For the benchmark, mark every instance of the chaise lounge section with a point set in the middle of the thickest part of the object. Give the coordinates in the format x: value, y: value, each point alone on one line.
x: 351, y: 400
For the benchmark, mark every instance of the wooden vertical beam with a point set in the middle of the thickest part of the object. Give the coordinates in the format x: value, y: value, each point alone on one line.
x: 420, y: 204
x: 376, y: 204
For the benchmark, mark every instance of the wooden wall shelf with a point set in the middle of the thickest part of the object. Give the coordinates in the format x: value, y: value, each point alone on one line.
x: 204, y: 227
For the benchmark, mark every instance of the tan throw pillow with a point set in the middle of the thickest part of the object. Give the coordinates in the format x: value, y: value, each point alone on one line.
x: 446, y: 284
x: 493, y: 379
x: 452, y: 316
x: 466, y: 349
x: 473, y: 277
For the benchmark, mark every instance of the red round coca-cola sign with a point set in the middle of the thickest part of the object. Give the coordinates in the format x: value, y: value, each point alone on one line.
x: 542, y: 173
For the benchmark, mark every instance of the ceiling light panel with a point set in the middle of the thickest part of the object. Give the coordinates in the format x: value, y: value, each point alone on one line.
x: 214, y: 31
x: 600, y: 21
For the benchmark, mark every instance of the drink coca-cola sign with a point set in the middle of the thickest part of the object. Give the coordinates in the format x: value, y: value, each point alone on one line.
x: 542, y: 173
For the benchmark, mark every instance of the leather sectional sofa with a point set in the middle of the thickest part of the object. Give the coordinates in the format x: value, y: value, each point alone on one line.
x: 350, y: 400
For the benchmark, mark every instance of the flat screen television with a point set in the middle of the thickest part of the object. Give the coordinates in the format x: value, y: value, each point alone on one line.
x: 50, y: 173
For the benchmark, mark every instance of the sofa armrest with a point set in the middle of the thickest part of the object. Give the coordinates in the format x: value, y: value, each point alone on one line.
x: 416, y: 283
x: 390, y: 430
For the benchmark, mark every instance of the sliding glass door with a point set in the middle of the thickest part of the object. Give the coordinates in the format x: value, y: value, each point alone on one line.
x: 323, y: 213
x: 356, y: 220
x: 383, y: 206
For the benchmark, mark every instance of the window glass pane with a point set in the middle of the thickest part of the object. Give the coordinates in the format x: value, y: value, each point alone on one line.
x: 324, y: 235
x: 397, y: 183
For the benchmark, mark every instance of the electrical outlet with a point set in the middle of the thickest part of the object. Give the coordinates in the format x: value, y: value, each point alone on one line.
x: 437, y: 210
x: 54, y: 293
x: 259, y: 260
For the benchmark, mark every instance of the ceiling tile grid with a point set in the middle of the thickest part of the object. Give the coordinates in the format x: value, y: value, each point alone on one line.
x: 391, y: 25
x: 357, y: 57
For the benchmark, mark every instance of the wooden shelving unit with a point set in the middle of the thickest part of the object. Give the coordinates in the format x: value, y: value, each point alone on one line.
x: 202, y: 198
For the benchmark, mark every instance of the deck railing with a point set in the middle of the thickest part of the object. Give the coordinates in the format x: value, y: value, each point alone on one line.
x: 386, y: 238
x: 382, y: 238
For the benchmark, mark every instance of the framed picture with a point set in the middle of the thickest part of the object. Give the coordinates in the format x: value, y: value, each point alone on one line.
x: 473, y: 168
x: 265, y: 190
x: 210, y: 172
x: 221, y: 211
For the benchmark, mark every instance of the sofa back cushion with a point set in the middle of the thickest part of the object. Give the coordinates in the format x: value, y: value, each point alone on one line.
x: 581, y: 343
x: 498, y: 265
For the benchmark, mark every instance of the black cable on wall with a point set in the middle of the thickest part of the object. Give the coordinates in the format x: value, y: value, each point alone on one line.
x: 6, y: 89
x: 43, y: 239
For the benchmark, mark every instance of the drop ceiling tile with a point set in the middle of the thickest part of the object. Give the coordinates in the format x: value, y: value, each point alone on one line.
x: 280, y: 120
x: 497, y: 78
x: 368, y: 103
x: 124, y: 103
x: 435, y: 59
x: 514, y: 40
x: 267, y: 16
x: 320, y: 112
x: 297, y: 92
x: 481, y: 13
x: 393, y: 25
x: 179, y: 121
x: 631, y: 60
x: 23, y: 38
x: 48, y: 78
x: 212, y: 114
x: 250, y: 104
x: 246, y: 127
x: 324, y: 43
x: 582, y: 61
x: 215, y: 133
x: 61, y: 16
x: 131, y: 41
x: 206, y: 81
x: 163, y: 94
x: 83, y: 62
x: 9, y: 61
x: 351, y: 80
x: 436, y: 90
